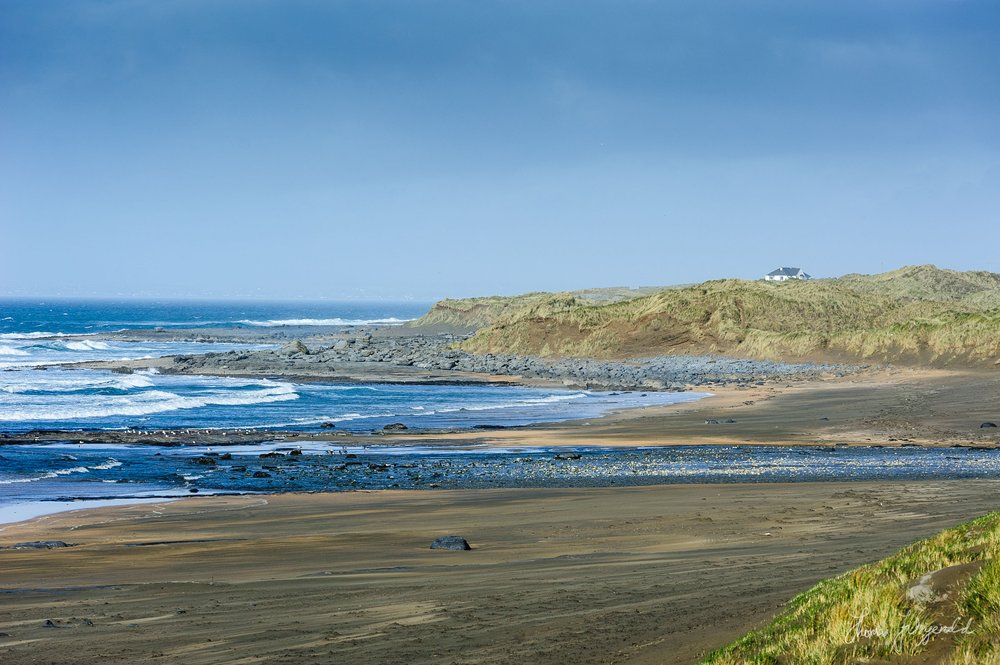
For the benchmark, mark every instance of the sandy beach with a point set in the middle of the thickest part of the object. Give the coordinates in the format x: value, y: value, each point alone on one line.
x: 617, y: 575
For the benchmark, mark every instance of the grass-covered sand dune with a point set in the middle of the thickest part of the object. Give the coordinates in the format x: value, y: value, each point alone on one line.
x: 919, y: 315
x: 468, y: 314
x: 935, y: 601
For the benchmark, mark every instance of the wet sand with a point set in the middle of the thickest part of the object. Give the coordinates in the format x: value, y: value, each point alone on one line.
x: 616, y: 575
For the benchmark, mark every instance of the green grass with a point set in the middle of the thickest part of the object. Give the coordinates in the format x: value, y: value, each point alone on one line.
x: 865, y: 614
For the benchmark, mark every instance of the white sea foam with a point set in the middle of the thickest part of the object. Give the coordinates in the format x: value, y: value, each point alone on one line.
x: 324, y: 322
x: 41, y: 335
x: 147, y: 403
x: 11, y: 351
x: 110, y: 464
x: 86, y: 345
x: 70, y: 382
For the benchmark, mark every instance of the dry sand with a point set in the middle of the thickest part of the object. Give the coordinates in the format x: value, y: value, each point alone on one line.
x: 616, y: 575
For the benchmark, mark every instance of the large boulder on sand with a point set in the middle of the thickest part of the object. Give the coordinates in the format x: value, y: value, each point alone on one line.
x: 450, y: 543
x: 39, y: 545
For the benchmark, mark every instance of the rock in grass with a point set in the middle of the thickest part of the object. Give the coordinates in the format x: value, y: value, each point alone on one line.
x: 450, y: 543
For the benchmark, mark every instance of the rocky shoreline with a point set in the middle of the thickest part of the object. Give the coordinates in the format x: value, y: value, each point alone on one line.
x: 435, y: 354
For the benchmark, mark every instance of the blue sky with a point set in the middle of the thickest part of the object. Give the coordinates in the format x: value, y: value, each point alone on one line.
x: 409, y: 149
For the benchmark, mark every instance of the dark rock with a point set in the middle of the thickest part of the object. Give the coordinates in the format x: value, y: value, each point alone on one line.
x: 450, y: 543
x: 208, y: 461
x: 193, y: 490
x: 39, y: 545
x: 295, y: 452
x: 395, y: 427
x: 327, y: 425
x: 226, y: 456
x: 261, y: 474
x: 987, y: 425
x: 566, y: 456
x: 270, y: 455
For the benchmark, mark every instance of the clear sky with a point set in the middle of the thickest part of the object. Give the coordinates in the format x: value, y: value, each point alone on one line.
x: 418, y: 149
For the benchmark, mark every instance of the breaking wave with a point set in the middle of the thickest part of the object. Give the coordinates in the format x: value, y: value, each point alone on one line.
x: 110, y: 464
x: 146, y: 403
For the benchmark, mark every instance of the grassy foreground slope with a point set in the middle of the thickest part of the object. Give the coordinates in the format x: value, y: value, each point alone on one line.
x: 935, y: 601
x: 918, y: 315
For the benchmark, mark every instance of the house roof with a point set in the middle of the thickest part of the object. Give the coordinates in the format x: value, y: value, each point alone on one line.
x: 788, y: 272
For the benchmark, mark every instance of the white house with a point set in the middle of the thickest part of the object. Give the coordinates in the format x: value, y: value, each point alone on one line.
x: 785, y: 274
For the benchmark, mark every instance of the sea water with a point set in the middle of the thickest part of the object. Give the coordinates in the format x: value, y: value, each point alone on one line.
x: 38, y: 338
x: 34, y: 316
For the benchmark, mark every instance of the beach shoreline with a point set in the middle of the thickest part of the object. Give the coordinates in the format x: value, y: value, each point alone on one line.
x: 625, y: 574
x: 892, y: 407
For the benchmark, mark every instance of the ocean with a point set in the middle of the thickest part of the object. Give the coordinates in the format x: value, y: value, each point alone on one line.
x: 36, y: 317
x: 36, y: 392
x: 52, y: 333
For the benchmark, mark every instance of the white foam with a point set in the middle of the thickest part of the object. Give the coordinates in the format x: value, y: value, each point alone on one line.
x: 149, y: 402
x: 66, y: 382
x: 391, y: 321
x: 110, y: 464
x: 11, y: 351
x: 86, y: 345
x: 41, y: 335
